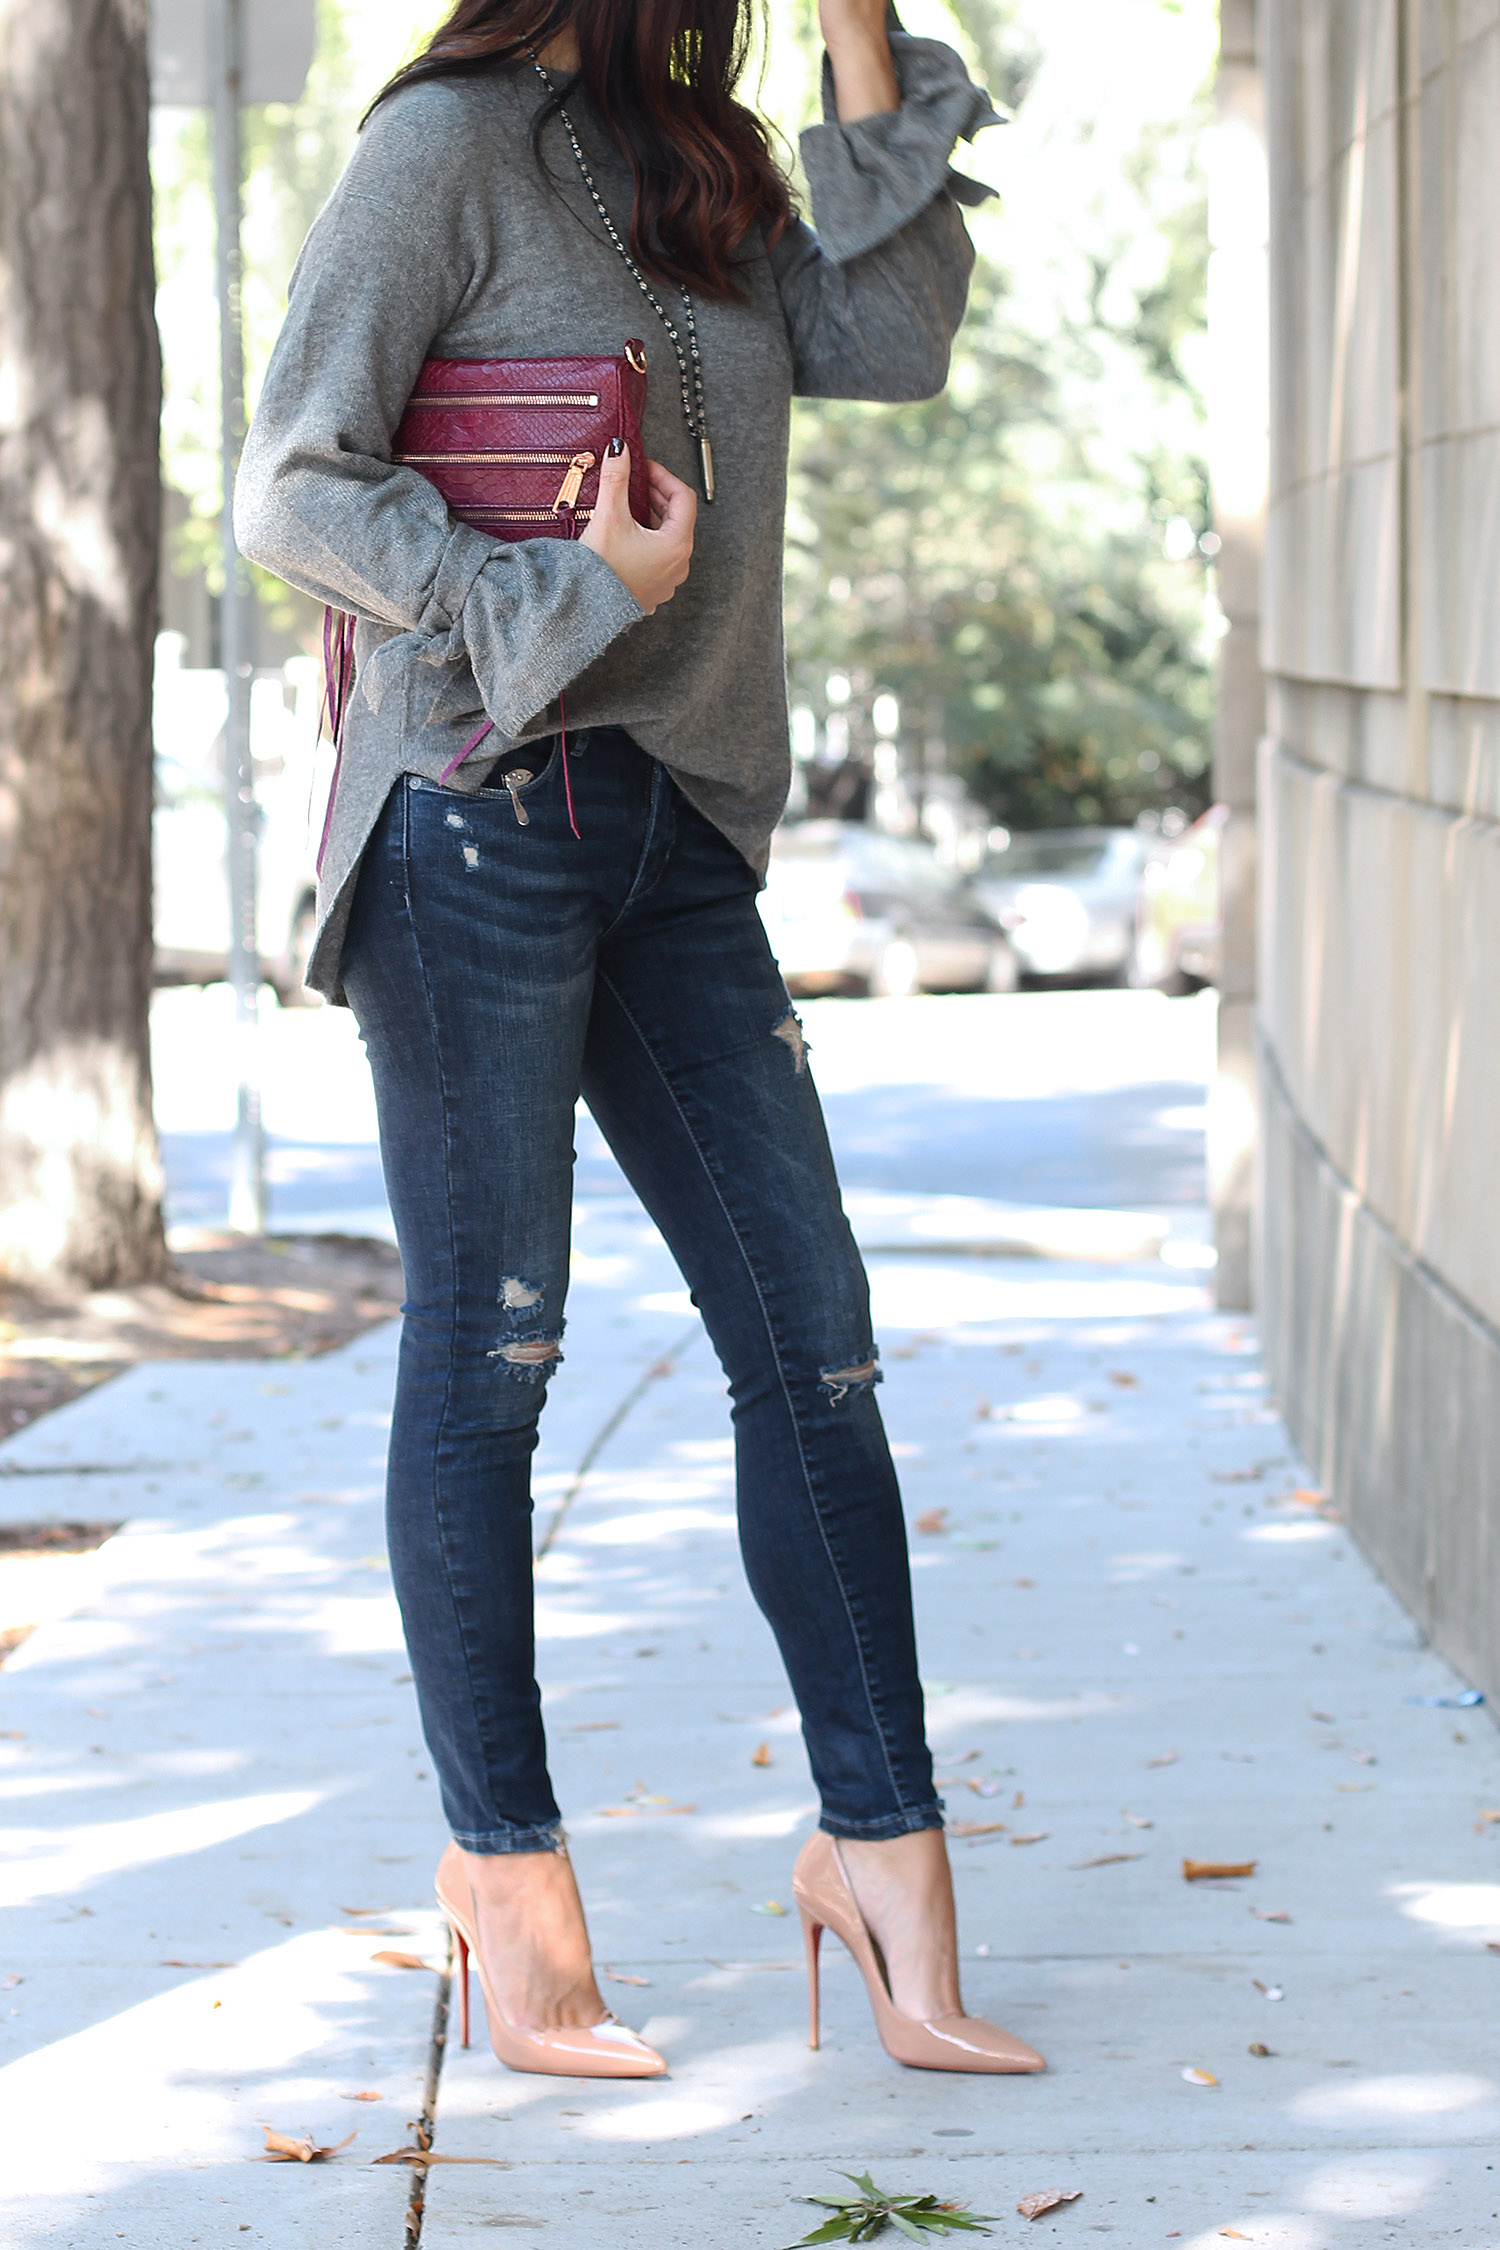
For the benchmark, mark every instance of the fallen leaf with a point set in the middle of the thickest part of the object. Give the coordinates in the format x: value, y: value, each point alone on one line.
x: 1258, y: 2047
x: 175, y: 1964
x: 594, y: 1726
x: 1197, y: 2077
x: 1167, y: 1758
x: 1492, y: 1945
x: 976, y: 1827
x: 1126, y: 1382
x: 1046, y: 2199
x: 933, y: 1520
x: 368, y: 1930
x: 291, y: 2148
x: 1028, y: 1583
x: 1261, y: 1915
x: 762, y: 1756
x: 1489, y: 1813
x: 1306, y: 1499
x: 9, y: 1983
x: 769, y: 1906
x: 1235, y: 2235
x: 1324, y: 1718
x: 984, y: 1788
x: 618, y: 1976
x: 365, y: 2094
x: 1139, y: 1820
x: 1018, y: 1800
x: 376, y: 1911
x: 401, y: 1960
x: 1039, y: 1838
x: 1216, y: 1870
x: 1105, y: 1859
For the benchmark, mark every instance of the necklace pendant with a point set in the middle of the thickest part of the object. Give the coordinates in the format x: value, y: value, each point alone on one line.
x: 706, y: 460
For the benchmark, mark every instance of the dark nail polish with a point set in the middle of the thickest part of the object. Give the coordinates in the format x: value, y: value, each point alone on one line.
x: 616, y: 448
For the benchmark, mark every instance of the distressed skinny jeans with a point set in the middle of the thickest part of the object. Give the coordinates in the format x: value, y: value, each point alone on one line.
x: 497, y: 969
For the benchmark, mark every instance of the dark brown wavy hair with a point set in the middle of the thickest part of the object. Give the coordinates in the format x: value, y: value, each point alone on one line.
x: 662, y: 75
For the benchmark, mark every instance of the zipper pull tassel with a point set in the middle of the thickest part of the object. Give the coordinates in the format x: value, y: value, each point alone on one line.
x: 514, y: 782
x: 572, y: 483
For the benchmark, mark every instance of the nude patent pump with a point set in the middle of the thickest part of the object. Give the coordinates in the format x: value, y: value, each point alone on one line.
x: 826, y: 1901
x: 598, y: 2050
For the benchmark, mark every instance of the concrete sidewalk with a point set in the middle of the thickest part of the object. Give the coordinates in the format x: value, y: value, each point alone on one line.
x: 1139, y: 1648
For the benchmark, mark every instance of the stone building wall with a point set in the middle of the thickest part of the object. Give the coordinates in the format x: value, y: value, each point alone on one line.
x: 1379, y: 786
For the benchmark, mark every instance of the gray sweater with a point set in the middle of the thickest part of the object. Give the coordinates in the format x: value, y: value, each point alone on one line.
x: 444, y: 237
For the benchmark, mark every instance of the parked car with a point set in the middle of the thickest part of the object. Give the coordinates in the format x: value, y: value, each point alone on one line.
x: 1178, y: 938
x: 191, y: 881
x: 851, y: 910
x: 1067, y: 898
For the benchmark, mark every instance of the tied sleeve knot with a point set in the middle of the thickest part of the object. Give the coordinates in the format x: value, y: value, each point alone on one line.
x: 438, y: 636
x: 869, y: 179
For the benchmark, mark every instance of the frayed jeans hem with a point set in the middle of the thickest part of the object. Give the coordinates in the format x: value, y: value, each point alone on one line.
x: 906, y: 1823
x: 497, y: 1840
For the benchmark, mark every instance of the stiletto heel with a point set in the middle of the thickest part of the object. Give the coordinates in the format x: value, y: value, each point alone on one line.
x: 826, y: 1900
x: 812, y: 1938
x: 461, y: 1957
x: 596, y: 2050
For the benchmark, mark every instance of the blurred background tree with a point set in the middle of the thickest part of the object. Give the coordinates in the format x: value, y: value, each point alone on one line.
x: 1010, y: 575
x: 80, y: 382
x: 1021, y: 563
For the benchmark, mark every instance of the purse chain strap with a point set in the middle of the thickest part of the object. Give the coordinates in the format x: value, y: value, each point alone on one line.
x: 689, y: 359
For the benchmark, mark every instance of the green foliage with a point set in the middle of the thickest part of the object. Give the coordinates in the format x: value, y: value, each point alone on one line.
x: 995, y: 557
x: 859, y: 2218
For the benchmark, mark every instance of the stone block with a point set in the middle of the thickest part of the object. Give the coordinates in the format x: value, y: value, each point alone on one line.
x: 1333, y: 66
x: 1333, y: 577
x: 1459, y: 514
x: 1239, y: 715
x: 1463, y: 755
x: 1390, y: 1384
x: 1232, y: 1139
x: 1364, y: 737
x: 1381, y: 924
x: 1237, y: 888
x: 1459, y: 312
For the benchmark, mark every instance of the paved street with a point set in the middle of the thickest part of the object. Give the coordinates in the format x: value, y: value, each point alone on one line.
x: 1144, y: 1641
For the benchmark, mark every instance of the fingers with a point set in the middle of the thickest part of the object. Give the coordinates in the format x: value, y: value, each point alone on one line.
x: 674, y: 504
x: 614, y: 484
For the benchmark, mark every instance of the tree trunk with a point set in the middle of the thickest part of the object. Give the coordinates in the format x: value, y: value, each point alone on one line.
x: 80, y: 397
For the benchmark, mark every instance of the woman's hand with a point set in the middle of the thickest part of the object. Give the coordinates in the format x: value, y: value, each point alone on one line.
x: 864, y: 77
x: 651, y: 563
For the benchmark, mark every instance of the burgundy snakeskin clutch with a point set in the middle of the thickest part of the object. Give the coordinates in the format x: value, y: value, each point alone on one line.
x: 514, y: 445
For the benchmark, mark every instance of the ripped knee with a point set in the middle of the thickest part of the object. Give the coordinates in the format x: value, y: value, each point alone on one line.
x: 849, y: 1381
x: 531, y: 1357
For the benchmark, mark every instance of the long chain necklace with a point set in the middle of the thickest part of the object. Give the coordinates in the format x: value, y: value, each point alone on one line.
x: 690, y: 360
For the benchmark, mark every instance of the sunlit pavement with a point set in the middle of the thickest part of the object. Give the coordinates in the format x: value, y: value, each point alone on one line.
x: 1139, y: 1648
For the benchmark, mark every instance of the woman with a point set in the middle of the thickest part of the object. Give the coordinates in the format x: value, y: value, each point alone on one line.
x: 515, y: 918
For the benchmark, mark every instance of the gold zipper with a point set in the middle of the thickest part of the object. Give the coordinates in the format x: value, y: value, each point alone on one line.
x: 516, y: 460
x: 518, y: 515
x: 568, y: 490
x: 506, y: 398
